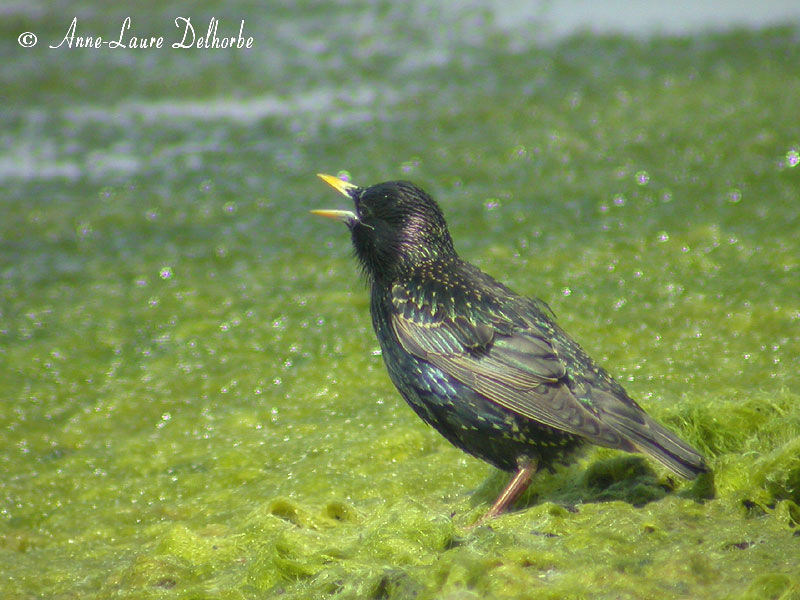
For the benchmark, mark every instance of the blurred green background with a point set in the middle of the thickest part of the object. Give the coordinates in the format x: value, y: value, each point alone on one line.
x: 193, y: 401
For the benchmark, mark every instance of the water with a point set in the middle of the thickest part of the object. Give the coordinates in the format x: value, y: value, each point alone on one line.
x: 194, y: 401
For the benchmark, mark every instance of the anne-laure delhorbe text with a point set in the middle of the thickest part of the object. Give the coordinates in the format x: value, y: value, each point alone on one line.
x: 185, y: 36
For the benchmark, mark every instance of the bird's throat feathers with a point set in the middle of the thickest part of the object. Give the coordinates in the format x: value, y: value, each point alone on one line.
x: 388, y: 255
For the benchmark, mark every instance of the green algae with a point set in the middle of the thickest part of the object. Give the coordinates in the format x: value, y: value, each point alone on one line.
x: 194, y: 402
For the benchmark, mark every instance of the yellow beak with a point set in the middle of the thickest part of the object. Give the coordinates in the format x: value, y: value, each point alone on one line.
x: 343, y: 187
x: 338, y: 215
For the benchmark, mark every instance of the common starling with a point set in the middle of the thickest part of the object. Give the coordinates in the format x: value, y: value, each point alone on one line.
x: 487, y: 368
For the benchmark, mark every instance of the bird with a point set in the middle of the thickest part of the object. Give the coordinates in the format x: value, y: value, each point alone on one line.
x: 489, y: 369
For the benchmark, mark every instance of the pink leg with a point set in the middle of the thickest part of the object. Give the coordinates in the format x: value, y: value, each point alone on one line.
x: 520, y: 482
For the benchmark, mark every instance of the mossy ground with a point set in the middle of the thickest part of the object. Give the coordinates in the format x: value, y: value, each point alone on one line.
x: 194, y: 404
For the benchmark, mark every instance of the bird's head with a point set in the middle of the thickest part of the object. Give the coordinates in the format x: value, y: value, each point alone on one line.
x: 396, y: 226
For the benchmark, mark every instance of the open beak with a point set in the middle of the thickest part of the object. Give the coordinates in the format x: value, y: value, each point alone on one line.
x: 344, y: 188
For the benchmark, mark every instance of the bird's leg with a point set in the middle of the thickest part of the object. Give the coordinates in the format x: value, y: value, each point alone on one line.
x: 518, y: 484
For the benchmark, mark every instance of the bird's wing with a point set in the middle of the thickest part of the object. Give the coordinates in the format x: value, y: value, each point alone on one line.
x: 506, y: 358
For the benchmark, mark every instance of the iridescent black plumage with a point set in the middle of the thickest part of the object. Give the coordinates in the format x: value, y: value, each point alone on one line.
x: 488, y: 368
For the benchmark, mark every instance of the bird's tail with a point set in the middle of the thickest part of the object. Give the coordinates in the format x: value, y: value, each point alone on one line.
x: 663, y: 445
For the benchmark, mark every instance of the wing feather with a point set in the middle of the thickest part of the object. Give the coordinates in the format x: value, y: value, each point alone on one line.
x: 513, y: 366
